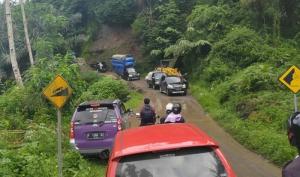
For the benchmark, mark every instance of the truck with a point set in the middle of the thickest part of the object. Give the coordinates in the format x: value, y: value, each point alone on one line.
x: 124, y: 65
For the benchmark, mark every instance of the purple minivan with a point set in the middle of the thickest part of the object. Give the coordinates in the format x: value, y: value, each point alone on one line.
x: 94, y: 125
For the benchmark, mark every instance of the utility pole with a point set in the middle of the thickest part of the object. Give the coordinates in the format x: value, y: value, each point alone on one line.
x: 26, y: 33
x: 12, y: 50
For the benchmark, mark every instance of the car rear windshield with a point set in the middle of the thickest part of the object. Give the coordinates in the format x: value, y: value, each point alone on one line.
x: 99, y: 114
x: 192, y: 162
x: 173, y: 80
x: 158, y: 75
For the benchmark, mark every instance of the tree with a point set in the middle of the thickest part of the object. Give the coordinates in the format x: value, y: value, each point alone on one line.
x: 12, y: 49
x: 26, y: 33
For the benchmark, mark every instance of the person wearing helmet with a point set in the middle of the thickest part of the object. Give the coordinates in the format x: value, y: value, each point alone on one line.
x: 292, y: 168
x: 147, y: 114
x: 169, y: 107
x: 175, y: 116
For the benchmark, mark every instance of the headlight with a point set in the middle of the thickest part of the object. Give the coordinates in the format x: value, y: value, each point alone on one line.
x: 183, y: 86
x: 130, y: 75
x: 170, y: 86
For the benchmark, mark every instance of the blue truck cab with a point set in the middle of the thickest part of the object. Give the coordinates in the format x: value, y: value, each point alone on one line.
x: 124, y: 65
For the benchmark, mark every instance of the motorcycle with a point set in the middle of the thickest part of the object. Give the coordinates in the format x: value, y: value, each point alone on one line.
x: 138, y: 116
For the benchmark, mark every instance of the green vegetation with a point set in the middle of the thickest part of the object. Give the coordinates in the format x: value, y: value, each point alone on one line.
x: 234, y: 51
x: 28, y: 121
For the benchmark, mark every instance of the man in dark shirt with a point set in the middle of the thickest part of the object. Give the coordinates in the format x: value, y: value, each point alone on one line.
x: 292, y: 168
x: 147, y: 114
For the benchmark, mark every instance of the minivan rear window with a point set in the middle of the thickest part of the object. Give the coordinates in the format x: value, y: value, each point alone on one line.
x: 191, y: 162
x: 93, y: 115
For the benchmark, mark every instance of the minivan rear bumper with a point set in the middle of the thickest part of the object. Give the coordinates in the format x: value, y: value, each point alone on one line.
x: 93, y: 151
x: 88, y: 151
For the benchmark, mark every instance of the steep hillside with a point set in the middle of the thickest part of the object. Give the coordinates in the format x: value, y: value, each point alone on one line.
x: 112, y: 40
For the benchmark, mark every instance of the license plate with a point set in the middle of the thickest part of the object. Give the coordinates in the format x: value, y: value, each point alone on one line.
x: 95, y: 135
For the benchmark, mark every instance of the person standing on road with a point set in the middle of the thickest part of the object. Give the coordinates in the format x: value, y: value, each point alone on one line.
x: 175, y: 116
x: 147, y: 114
x: 292, y: 168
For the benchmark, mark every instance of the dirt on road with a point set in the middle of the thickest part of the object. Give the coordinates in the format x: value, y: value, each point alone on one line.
x: 244, y: 162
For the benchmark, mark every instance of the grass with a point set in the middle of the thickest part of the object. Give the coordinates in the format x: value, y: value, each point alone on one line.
x: 258, y: 136
x: 98, y: 167
x: 136, y: 99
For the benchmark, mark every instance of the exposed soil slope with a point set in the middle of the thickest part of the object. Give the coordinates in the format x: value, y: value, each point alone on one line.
x: 114, y: 40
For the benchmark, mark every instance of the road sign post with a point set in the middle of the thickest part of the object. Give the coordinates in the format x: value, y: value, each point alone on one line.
x: 291, y: 79
x: 295, y: 103
x: 58, y: 92
x: 59, y: 148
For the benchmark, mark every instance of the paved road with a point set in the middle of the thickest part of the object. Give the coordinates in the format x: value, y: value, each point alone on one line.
x: 244, y: 162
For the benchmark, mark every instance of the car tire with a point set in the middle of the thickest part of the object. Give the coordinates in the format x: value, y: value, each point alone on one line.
x: 184, y: 93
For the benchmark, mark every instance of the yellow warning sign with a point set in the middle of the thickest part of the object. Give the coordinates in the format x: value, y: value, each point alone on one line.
x: 291, y: 79
x: 58, y: 91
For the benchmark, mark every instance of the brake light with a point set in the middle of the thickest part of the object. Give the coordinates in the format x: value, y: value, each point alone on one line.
x: 119, y: 124
x: 72, y: 131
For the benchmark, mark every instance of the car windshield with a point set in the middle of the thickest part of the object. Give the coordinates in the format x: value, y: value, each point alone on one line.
x: 98, y: 114
x: 173, y: 80
x: 130, y: 70
x: 192, y: 162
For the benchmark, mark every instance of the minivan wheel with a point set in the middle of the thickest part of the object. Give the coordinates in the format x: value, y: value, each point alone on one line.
x: 104, y: 154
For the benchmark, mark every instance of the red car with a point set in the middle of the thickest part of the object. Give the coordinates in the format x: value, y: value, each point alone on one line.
x: 167, y: 150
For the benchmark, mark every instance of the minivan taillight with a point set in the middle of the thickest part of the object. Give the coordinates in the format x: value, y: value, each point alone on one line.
x: 72, y: 131
x: 119, y: 124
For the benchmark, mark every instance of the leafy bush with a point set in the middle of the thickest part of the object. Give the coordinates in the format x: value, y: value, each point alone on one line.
x: 258, y: 136
x: 106, y: 88
x: 216, y: 71
x: 89, y: 76
x: 37, y: 157
x: 240, y: 48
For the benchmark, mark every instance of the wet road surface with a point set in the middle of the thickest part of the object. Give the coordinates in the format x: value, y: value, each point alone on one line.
x: 244, y: 162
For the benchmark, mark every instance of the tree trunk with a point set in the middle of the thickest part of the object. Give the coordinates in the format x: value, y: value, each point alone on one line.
x: 26, y: 33
x: 11, y: 42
